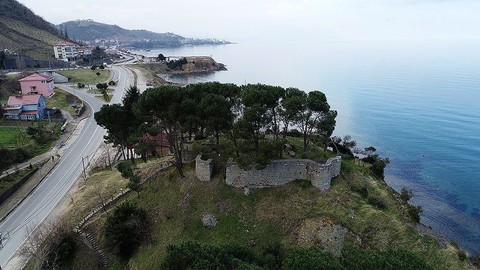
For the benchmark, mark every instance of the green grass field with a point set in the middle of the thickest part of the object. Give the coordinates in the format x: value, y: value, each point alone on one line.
x: 13, y: 137
x: 98, y: 91
x: 63, y: 100
x: 86, y: 75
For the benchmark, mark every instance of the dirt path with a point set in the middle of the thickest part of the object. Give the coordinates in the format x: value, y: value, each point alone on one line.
x: 142, y: 80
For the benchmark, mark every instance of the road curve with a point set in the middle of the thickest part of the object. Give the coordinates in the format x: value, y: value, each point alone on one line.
x: 42, y: 201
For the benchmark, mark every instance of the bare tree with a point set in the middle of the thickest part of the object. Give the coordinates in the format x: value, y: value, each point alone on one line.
x: 42, y: 246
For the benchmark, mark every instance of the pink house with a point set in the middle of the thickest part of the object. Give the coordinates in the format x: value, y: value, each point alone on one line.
x: 37, y: 84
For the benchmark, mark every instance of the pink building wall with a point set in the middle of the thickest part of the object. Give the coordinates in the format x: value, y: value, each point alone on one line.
x: 37, y: 84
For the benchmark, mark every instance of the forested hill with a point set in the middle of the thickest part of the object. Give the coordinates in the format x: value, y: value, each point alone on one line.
x: 89, y: 30
x: 14, y: 10
x: 24, y: 33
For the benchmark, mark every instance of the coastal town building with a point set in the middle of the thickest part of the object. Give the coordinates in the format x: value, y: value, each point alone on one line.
x: 66, y: 51
x: 28, y: 107
x: 158, y: 144
x: 40, y: 84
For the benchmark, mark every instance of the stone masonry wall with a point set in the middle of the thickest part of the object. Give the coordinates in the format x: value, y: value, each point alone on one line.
x: 281, y: 172
x: 203, y: 169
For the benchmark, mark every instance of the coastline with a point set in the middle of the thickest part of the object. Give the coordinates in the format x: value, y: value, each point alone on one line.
x: 424, y: 228
x: 152, y: 73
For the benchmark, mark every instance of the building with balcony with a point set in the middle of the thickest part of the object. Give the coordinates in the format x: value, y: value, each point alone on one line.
x: 66, y: 51
x: 40, y: 84
x: 29, y: 107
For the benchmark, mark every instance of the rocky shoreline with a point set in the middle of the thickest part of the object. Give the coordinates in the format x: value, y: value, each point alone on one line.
x: 158, y: 73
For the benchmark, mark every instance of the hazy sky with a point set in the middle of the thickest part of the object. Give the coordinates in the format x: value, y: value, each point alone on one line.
x: 238, y: 20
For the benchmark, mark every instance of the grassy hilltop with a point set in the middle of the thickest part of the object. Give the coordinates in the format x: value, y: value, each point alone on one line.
x: 291, y: 218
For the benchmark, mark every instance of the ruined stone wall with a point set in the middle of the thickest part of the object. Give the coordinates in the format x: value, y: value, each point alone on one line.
x: 203, y: 169
x: 281, y: 172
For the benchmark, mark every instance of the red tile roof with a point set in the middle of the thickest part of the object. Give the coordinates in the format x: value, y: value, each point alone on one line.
x: 23, y: 100
x: 64, y: 43
x: 36, y: 77
x: 29, y: 112
x: 160, y: 139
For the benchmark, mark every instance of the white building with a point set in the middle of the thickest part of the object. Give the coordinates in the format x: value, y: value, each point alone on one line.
x: 66, y: 51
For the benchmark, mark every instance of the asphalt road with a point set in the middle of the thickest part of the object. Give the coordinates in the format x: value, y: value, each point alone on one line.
x: 43, y: 200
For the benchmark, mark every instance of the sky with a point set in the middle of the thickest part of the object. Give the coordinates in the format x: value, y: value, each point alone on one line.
x: 240, y: 20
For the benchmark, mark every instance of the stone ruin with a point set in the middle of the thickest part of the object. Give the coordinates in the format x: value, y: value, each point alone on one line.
x: 279, y: 172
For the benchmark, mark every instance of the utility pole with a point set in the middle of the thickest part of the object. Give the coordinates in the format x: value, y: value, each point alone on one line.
x: 85, y: 167
x: 84, y: 173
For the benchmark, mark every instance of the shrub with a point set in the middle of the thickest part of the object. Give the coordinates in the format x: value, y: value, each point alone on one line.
x: 475, y: 260
x: 360, y: 189
x: 311, y: 258
x: 347, y: 166
x: 125, y: 168
x: 385, y: 260
x: 378, y: 164
x: 134, y: 183
x: 272, y: 256
x: 377, y: 202
x: 9, y: 157
x: 102, y: 86
x: 414, y: 212
x: 406, y: 194
x: 126, y: 229
x: 294, y: 133
x: 191, y: 255
x: 61, y: 254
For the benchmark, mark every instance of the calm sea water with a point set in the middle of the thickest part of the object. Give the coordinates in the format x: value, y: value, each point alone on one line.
x: 417, y: 102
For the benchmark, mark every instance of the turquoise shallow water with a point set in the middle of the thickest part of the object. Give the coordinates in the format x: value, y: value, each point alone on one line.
x: 417, y: 102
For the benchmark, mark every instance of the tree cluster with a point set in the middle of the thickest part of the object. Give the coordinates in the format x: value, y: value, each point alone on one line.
x: 161, y: 57
x: 9, y: 85
x: 190, y: 255
x: 52, y: 246
x: 176, y: 64
x: 127, y: 171
x: 126, y: 229
x: 243, y: 114
x: 3, y: 56
x: 8, y: 157
x: 98, y: 53
x: 102, y: 86
x: 121, y: 122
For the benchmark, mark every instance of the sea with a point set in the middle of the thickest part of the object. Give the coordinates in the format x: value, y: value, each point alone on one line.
x: 416, y: 101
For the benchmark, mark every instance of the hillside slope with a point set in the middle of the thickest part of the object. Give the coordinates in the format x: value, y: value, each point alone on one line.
x: 345, y: 220
x: 107, y: 34
x: 24, y: 33
x: 89, y: 30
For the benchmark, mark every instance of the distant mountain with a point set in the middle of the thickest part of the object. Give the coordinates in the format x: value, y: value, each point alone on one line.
x: 24, y: 33
x: 93, y: 32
